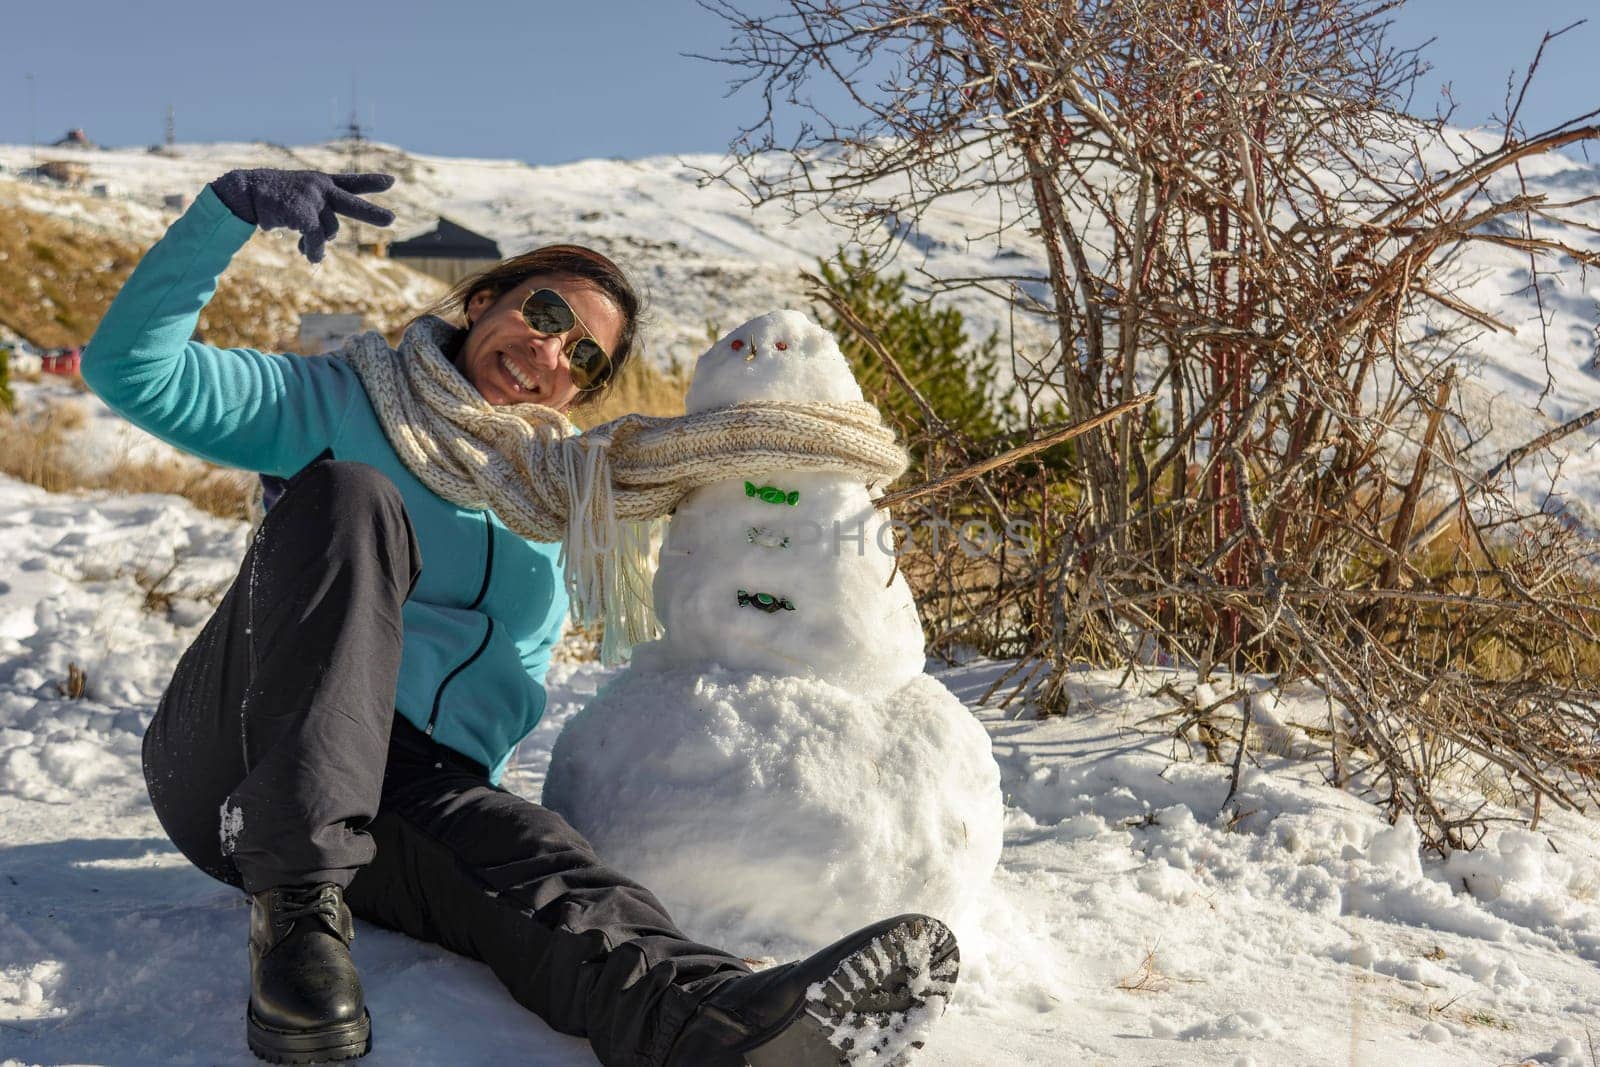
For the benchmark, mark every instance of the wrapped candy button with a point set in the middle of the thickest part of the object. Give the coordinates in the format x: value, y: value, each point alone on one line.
x: 771, y: 494
x: 760, y: 535
x: 765, y: 601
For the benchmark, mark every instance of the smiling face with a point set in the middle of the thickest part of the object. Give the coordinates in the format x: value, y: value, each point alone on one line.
x: 508, y: 362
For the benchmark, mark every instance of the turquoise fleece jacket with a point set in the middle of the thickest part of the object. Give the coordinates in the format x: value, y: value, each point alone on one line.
x: 488, y: 605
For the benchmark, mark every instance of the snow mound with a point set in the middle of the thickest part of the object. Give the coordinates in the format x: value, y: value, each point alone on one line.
x: 776, y: 814
x: 1243, y: 1024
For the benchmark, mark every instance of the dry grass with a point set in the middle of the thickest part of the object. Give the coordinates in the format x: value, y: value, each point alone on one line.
x: 641, y: 388
x: 1509, y: 643
x: 579, y: 644
x: 57, y: 278
x: 38, y: 449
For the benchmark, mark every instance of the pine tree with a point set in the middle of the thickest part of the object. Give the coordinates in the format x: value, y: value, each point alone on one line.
x: 951, y: 371
x: 8, y: 402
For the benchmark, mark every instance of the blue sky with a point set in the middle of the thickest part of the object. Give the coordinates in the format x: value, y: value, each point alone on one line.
x: 1478, y: 43
x: 541, y: 81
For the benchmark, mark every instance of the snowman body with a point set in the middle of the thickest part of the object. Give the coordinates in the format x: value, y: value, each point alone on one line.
x: 777, y: 768
x: 796, y: 588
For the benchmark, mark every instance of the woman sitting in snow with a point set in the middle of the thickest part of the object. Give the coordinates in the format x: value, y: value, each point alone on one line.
x: 333, y: 740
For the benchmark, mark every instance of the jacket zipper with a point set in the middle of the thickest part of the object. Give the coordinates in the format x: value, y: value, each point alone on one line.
x: 438, y: 695
x: 483, y: 591
x: 488, y: 563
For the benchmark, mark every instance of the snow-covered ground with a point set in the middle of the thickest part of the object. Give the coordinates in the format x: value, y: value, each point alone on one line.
x: 1130, y: 922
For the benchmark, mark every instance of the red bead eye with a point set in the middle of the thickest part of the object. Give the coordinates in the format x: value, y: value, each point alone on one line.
x: 781, y: 346
x: 736, y: 345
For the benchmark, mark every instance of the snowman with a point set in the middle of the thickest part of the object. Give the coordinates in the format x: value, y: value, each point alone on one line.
x: 777, y: 767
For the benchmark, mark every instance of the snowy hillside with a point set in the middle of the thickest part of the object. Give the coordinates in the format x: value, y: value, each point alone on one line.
x: 708, y: 261
x: 1131, y: 921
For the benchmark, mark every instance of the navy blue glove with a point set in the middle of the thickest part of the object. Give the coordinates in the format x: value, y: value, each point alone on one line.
x: 305, y: 200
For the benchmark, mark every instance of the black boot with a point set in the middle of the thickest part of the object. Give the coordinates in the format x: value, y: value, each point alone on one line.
x: 867, y: 999
x: 305, y: 995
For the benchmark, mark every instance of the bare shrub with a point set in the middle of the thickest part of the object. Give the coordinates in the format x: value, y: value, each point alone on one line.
x: 1234, y: 212
x: 1148, y: 977
x: 76, y: 684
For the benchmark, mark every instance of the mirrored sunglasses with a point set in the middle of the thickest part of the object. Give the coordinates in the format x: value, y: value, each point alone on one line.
x: 546, y: 312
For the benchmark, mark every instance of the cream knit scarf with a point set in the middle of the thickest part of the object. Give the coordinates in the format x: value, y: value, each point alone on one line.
x: 599, y: 492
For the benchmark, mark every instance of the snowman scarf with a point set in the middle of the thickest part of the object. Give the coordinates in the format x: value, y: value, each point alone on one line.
x: 598, y: 493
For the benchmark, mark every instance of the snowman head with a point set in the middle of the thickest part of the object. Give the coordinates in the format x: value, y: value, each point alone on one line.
x: 782, y: 355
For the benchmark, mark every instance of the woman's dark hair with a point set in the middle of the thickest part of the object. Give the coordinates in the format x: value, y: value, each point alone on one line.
x: 566, y: 261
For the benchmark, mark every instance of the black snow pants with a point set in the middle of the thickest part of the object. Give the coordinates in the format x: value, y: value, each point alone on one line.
x: 276, y: 758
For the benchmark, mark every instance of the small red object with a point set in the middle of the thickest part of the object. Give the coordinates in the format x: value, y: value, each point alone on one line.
x: 781, y: 346
x: 63, y: 361
x: 736, y: 345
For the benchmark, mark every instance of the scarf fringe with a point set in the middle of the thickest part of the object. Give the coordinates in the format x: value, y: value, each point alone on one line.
x: 606, y: 561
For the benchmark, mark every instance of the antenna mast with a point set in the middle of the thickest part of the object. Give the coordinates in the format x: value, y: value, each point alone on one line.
x: 354, y: 130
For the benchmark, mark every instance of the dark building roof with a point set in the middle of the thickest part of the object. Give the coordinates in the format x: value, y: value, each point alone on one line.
x: 446, y: 241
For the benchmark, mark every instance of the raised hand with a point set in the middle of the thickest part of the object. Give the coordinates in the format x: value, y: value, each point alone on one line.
x: 305, y: 200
